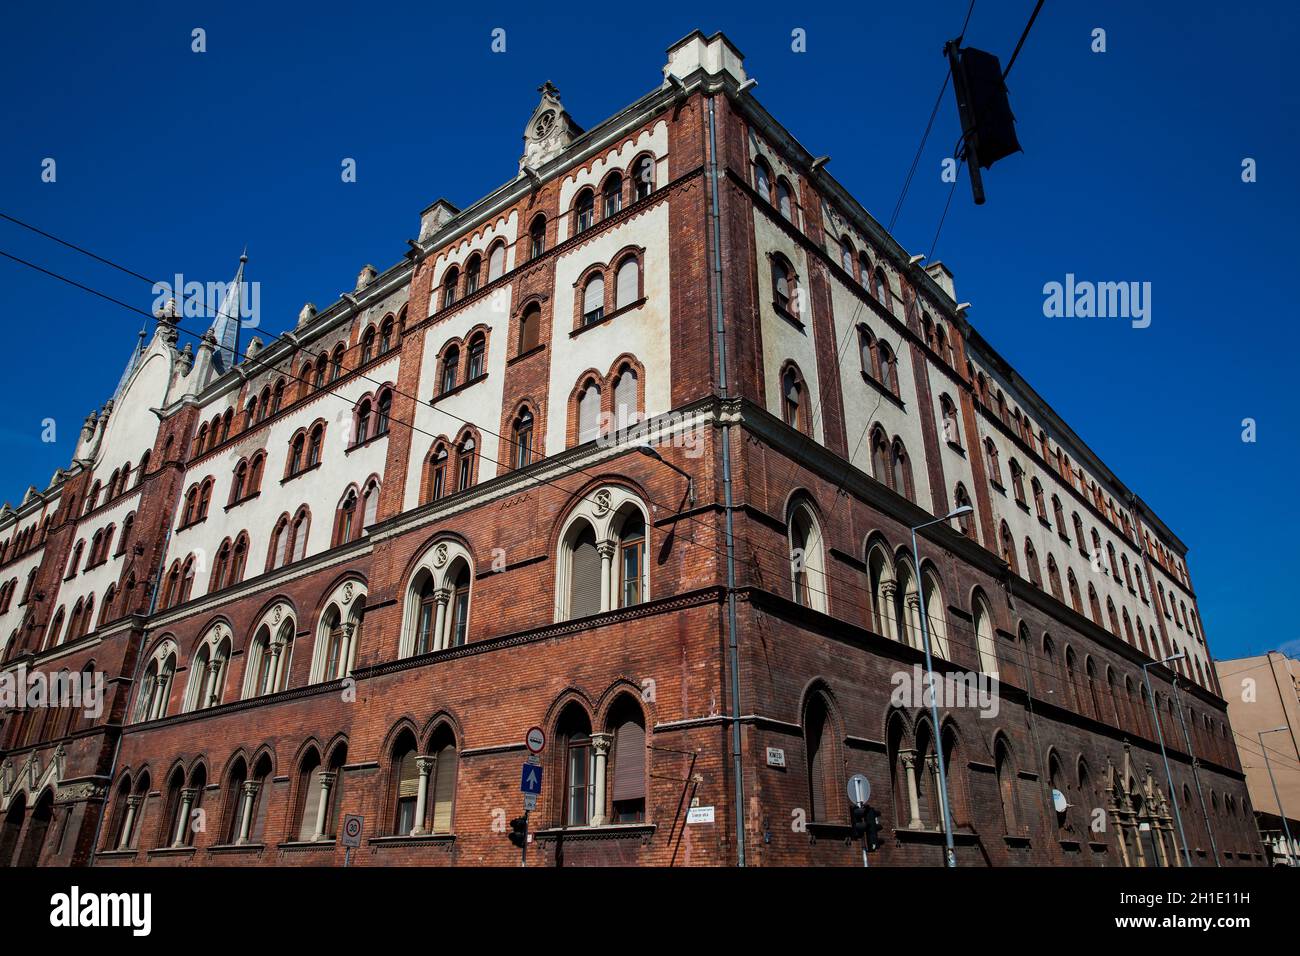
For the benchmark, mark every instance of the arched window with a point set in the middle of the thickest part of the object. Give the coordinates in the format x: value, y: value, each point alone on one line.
x: 1094, y: 604
x: 1040, y: 506
x: 626, y: 398
x: 888, y: 367
x: 450, y: 369
x: 823, y: 784
x: 466, y: 464
x: 537, y: 236
x: 588, y: 411
x: 882, y: 287
x: 1058, y: 518
x: 762, y: 180
x: 523, y: 438
x: 1076, y: 601
x: 296, y: 450
x: 785, y: 199
x: 315, y: 445
x: 368, y: 345
x: 578, y: 794
x: 426, y: 608
x: 991, y: 460
x: 627, y: 283
x: 900, y: 470
x: 584, y: 574
x: 807, y: 564
x: 369, y: 504
x: 383, y: 410
x: 450, y: 281
x: 1054, y: 578
x: 530, y: 328
x: 643, y: 175
x: 1079, y: 536
x: 631, y: 560
x: 784, y: 285
x: 458, y: 629
x: 792, y: 403
x: 951, y: 427
x: 584, y: 211
x: 935, y: 614
x: 593, y: 299
x: 300, y: 535
x: 477, y: 353
x: 1008, y: 547
x: 627, y: 787
x: 846, y: 254
x: 1006, y: 776
x: 442, y: 780
x: 1018, y: 481
x: 438, y: 462
x: 346, y: 526
x: 496, y: 261
x: 473, y: 267
x: 362, y: 427
x: 962, y: 500
x: 1031, y: 564
x: 612, y: 195
x: 984, y: 639
x: 336, y: 369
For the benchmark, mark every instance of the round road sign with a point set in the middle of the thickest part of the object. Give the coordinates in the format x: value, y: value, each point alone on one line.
x: 859, y: 789
x: 536, y: 740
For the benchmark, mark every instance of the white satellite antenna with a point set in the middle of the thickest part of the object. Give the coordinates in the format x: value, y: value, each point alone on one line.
x: 1059, y: 801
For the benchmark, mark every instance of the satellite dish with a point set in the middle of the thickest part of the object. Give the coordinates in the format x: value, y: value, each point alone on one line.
x: 1059, y: 801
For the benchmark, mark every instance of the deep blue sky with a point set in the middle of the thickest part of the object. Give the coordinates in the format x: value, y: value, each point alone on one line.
x: 171, y: 161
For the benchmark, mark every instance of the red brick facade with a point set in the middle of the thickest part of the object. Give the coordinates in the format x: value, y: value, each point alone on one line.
x: 816, y: 670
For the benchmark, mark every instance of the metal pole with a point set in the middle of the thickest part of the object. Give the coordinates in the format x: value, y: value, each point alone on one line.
x: 1196, y: 775
x: 1160, y: 737
x: 733, y: 647
x: 950, y: 855
x: 523, y: 855
x: 1290, y: 850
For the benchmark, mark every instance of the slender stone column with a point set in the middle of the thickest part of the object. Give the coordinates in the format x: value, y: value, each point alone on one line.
x: 600, y: 745
x: 424, y: 764
x: 132, y: 807
x: 908, y: 757
x: 246, y: 822
x: 183, y: 818
x: 888, y: 591
x: 322, y: 808
x: 442, y: 596
x: 606, y: 550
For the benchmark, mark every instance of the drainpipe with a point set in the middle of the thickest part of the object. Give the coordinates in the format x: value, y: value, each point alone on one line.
x: 720, y: 333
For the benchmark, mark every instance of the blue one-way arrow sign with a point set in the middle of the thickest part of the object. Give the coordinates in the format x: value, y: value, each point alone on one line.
x: 530, y: 781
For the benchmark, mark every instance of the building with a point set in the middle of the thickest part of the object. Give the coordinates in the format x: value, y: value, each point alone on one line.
x: 1263, y: 695
x: 627, y: 450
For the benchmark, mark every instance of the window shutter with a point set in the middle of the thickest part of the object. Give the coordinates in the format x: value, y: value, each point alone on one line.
x: 588, y: 413
x: 584, y: 579
x: 444, y: 789
x: 817, y: 765
x: 259, y: 812
x: 310, y: 803
x: 496, y: 262
x: 625, y: 399
x: 408, y: 776
x: 629, y: 762
x: 593, y: 297
x: 628, y: 284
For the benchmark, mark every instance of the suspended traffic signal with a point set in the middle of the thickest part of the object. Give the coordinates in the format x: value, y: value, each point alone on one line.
x: 873, y: 829
x: 858, y: 818
x: 988, y: 127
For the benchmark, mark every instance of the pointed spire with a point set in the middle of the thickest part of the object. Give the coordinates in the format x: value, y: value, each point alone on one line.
x: 225, y: 325
x: 131, y: 364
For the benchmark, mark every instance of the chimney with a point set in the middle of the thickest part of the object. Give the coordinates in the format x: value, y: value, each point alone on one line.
x: 943, y: 278
x: 696, y: 53
x: 435, y: 217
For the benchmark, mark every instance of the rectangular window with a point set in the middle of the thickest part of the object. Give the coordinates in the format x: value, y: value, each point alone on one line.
x: 580, y: 794
x: 632, y: 555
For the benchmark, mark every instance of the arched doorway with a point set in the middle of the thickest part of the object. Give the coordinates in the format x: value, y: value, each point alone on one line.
x: 13, y: 826
x: 37, y: 828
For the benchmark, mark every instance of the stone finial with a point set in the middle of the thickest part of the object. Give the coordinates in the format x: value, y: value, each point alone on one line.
x: 307, y: 313
x: 254, y: 347
x: 367, y: 275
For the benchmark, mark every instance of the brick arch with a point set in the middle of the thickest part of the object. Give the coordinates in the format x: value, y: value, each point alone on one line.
x: 441, y: 718
x: 621, y: 686
x: 589, y: 377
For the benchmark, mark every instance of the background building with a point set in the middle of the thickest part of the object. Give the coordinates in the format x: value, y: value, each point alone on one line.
x: 1263, y: 695
x: 346, y: 573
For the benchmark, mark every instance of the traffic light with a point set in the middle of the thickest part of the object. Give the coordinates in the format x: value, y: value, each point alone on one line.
x: 858, y: 818
x: 519, y: 831
x: 873, y: 829
x: 988, y: 127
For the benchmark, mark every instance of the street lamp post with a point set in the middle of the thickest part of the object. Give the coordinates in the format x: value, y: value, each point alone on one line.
x: 1290, y: 850
x: 1160, y: 737
x: 950, y: 855
x: 1196, y: 775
